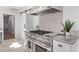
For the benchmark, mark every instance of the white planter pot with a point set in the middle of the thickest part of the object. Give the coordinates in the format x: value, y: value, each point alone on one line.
x: 67, y: 33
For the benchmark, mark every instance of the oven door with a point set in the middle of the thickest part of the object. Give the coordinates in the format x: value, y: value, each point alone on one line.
x: 40, y: 49
x: 29, y: 46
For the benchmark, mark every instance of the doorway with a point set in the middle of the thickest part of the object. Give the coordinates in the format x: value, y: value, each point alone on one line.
x: 9, y: 27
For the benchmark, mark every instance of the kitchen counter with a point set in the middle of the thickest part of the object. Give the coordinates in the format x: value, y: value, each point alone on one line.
x: 69, y: 39
x: 54, y: 36
x: 66, y: 39
x: 48, y: 41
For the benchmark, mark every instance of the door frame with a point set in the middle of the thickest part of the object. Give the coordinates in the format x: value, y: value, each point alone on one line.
x: 3, y: 26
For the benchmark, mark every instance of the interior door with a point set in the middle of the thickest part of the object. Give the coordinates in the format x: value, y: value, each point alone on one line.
x: 11, y: 24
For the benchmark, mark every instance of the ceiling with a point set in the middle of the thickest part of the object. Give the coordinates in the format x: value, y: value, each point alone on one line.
x: 15, y: 8
x: 19, y: 8
x: 22, y: 9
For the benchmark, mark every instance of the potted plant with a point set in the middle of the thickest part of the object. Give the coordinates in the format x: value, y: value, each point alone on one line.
x: 67, y: 27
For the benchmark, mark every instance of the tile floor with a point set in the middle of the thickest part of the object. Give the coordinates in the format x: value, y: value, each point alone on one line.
x: 12, y: 45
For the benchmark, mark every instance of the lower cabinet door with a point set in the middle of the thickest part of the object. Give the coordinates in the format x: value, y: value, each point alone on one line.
x: 61, y: 47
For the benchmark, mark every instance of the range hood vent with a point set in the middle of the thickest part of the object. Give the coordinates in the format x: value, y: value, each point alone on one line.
x: 47, y: 11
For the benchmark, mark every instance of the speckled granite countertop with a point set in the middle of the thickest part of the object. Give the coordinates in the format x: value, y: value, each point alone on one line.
x: 65, y: 39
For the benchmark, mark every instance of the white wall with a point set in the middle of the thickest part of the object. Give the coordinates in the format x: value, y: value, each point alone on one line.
x: 6, y: 10
x: 33, y: 21
x: 17, y: 26
x: 36, y: 22
x: 69, y: 12
x: 20, y: 20
x: 30, y: 21
x: 51, y: 22
x: 6, y: 19
x: 72, y: 13
x: 1, y: 20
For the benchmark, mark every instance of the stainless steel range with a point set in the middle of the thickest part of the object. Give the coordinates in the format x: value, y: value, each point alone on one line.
x: 38, y: 42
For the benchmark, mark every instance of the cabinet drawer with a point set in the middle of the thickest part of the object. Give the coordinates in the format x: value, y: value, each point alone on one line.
x: 61, y: 47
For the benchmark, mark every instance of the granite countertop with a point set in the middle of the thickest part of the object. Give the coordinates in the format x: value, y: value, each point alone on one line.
x: 70, y: 39
x: 66, y: 39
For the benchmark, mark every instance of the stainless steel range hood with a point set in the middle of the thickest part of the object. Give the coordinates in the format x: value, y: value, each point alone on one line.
x: 48, y: 10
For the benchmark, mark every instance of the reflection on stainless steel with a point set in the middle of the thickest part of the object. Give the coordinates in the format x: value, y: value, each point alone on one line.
x: 40, y: 32
x: 41, y: 38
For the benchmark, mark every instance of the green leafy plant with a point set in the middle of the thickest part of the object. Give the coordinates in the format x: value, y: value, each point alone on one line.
x: 67, y: 25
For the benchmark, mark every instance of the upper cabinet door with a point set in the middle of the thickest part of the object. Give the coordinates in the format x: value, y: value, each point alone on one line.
x: 30, y: 21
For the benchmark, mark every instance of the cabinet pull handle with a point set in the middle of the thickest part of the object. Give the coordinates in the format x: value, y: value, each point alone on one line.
x: 60, y: 45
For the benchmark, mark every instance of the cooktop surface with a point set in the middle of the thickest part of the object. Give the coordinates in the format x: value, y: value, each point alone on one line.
x: 40, y: 32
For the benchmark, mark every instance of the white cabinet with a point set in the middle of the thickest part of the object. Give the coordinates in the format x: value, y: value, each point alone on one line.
x: 61, y: 47
x: 22, y: 25
x: 27, y: 23
x: 31, y: 22
x: 76, y: 46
